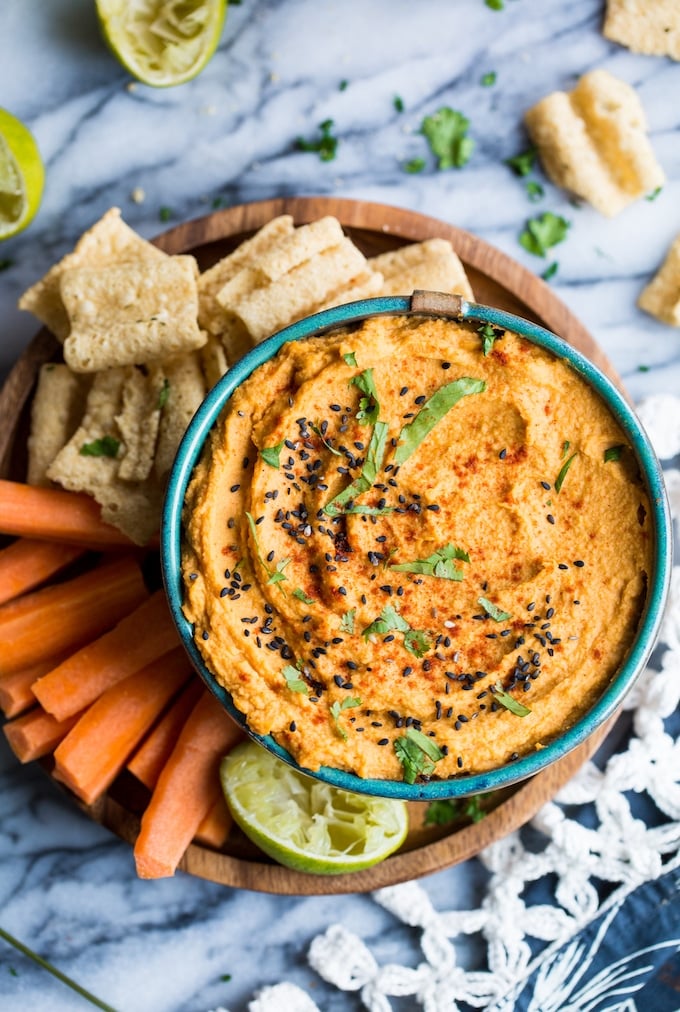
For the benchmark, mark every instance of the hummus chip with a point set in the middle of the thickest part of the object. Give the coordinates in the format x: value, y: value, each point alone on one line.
x: 213, y: 360
x: 661, y: 297
x: 109, y: 241
x: 644, y: 26
x: 128, y: 314
x: 593, y: 141
x: 430, y: 265
x: 138, y: 420
x: 185, y: 389
x: 57, y: 408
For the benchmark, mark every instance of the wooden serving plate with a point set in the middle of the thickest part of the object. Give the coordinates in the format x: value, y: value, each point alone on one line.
x: 496, y: 280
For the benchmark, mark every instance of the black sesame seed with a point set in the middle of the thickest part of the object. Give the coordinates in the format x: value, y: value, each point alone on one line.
x: 421, y: 399
x: 383, y: 741
x: 580, y: 563
x: 546, y: 485
x: 550, y: 518
x: 292, y: 726
x: 503, y: 454
x: 446, y: 365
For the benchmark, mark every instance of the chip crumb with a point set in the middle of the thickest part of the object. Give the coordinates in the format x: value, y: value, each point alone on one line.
x: 138, y: 195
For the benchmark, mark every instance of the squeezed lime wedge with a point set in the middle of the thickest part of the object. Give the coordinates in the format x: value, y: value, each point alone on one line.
x: 22, y: 175
x: 305, y: 824
x: 162, y: 42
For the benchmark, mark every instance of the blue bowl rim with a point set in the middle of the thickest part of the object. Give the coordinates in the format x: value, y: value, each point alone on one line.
x: 526, y: 766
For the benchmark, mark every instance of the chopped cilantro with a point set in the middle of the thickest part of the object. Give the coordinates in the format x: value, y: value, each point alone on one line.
x: 350, y: 358
x: 270, y: 454
x: 369, y: 472
x: 13, y: 972
x: 301, y: 596
x: 107, y: 446
x: 440, y: 564
x: 165, y: 214
x: 493, y: 611
x: 445, y: 811
x: 415, y: 641
x: 541, y: 233
x: 495, y: 5
x: 550, y: 271
x: 643, y: 368
x: 273, y: 575
x: 370, y: 511
x: 488, y: 80
x: 218, y: 202
x: 343, y: 85
x: 534, y: 190
x: 277, y: 576
x: 523, y: 163
x: 226, y: 977
x: 654, y: 194
x: 509, y: 702
x: 565, y: 447
x: 293, y: 680
x: 337, y: 708
x: 326, y: 146
x: 446, y: 132
x: 398, y: 103
x: 369, y: 408
x: 163, y: 393
x: 432, y: 411
x: 559, y: 480
x: 417, y: 753
x: 489, y: 336
x: 317, y: 432
x: 613, y: 453
x: 414, y: 165
x: 347, y: 621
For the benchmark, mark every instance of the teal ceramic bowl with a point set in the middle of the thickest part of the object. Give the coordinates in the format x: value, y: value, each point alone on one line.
x: 422, y: 304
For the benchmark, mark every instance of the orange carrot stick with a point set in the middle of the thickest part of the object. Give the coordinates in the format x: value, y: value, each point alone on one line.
x: 36, y: 733
x: 214, y: 829
x: 140, y: 637
x: 151, y: 756
x: 46, y: 622
x: 16, y: 694
x: 53, y: 514
x: 95, y: 751
x: 187, y: 789
x: 26, y: 563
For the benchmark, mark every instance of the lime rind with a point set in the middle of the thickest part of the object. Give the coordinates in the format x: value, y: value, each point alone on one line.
x: 162, y: 42
x: 22, y: 175
x: 303, y: 823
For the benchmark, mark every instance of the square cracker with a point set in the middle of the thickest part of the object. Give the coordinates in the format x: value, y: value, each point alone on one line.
x: 56, y: 410
x: 645, y: 26
x: 128, y: 314
x: 430, y: 265
x: 109, y: 241
x: 138, y: 420
x: 210, y: 313
x: 593, y: 141
x: 186, y: 388
x: 661, y: 297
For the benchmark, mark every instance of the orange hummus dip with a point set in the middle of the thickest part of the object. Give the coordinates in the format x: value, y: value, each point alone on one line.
x: 416, y: 548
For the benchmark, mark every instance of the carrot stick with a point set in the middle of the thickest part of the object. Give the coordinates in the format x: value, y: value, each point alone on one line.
x: 48, y: 621
x: 26, y: 563
x: 214, y: 829
x: 140, y: 637
x: 53, y: 514
x: 36, y: 733
x: 151, y: 756
x: 95, y: 751
x: 16, y: 694
x: 187, y: 789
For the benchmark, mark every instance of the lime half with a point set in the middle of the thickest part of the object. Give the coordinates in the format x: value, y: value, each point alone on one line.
x: 305, y: 824
x: 22, y: 175
x: 162, y: 42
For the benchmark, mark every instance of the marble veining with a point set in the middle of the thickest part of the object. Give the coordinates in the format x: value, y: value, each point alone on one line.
x: 67, y: 887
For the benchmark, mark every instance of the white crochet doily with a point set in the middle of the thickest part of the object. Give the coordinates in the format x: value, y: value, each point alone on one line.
x: 589, y: 835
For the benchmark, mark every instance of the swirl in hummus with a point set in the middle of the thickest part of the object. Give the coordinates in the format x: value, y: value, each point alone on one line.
x: 416, y: 548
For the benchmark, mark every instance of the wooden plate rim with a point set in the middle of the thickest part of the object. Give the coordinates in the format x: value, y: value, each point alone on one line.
x: 536, y: 295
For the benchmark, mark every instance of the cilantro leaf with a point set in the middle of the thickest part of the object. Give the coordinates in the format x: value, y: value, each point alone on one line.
x: 278, y: 575
x: 347, y: 621
x: 417, y: 753
x: 493, y: 611
x: 369, y: 472
x: 326, y: 146
x: 559, y: 480
x: 415, y: 640
x: 165, y: 213
x: 534, y: 190
x: 350, y: 358
x: 293, y: 680
x: 270, y: 454
x: 107, y: 446
x: 301, y: 596
x: 414, y: 165
x: 317, y: 432
x: 523, y: 163
x: 550, y: 271
x: 163, y: 393
x: 654, y: 194
x: 439, y: 564
x: 488, y: 80
x: 273, y: 575
x: 444, y: 811
x: 489, y: 337
x: 509, y: 702
x: 613, y: 453
x: 446, y: 132
x: 369, y: 408
x: 495, y: 5
x: 432, y: 411
x: 565, y: 447
x: 371, y: 511
x: 337, y: 708
x: 398, y: 103
x: 541, y: 233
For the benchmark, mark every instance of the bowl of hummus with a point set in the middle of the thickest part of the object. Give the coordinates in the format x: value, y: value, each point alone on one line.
x: 418, y: 547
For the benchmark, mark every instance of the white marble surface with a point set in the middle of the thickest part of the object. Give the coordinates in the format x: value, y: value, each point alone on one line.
x: 67, y: 887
